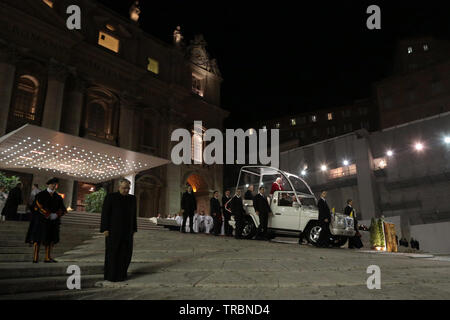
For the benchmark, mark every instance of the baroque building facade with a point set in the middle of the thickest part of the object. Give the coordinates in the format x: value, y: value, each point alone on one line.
x: 111, y: 82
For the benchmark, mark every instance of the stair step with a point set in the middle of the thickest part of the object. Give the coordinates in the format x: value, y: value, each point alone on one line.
x: 56, y: 295
x: 22, y: 285
x: 36, y: 270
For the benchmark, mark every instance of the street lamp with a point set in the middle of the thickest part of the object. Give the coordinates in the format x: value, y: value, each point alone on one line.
x: 418, y: 146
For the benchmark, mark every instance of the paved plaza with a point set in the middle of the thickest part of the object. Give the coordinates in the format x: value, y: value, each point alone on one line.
x: 171, y: 265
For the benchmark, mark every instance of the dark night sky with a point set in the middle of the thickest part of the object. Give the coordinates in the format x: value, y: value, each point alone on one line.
x: 290, y: 57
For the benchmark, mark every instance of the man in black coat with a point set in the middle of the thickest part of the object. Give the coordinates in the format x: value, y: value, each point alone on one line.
x: 12, y: 202
x: 227, y: 214
x: 188, y: 207
x: 48, y: 208
x: 118, y: 224
x: 237, y: 209
x: 262, y: 209
x: 324, y: 220
x: 216, y: 213
x: 249, y: 193
x: 355, y: 241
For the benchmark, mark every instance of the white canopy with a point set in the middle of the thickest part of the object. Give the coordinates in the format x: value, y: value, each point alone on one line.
x: 34, y: 149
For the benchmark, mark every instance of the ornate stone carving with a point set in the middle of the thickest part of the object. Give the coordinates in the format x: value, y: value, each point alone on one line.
x: 135, y: 11
x: 198, y: 55
x: 177, y: 36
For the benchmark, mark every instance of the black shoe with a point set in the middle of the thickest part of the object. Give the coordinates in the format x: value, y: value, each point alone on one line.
x: 50, y: 261
x: 34, y: 261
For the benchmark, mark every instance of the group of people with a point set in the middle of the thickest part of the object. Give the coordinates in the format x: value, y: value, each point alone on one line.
x: 414, y: 243
x: 216, y: 222
x: 325, y: 220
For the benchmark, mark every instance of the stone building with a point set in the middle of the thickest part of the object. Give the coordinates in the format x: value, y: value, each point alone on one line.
x: 398, y: 171
x: 420, y: 84
x: 113, y: 83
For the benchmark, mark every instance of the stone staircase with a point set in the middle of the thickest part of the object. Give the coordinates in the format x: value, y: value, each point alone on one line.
x: 21, y: 279
x: 92, y: 220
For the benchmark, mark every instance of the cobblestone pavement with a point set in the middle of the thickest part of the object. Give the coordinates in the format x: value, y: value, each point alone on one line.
x: 171, y: 265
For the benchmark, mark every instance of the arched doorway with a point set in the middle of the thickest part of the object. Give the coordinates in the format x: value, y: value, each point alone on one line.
x: 148, y: 193
x: 200, y: 188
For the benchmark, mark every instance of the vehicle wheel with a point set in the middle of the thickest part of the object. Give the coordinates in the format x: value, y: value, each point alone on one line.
x: 249, y: 230
x: 312, y: 233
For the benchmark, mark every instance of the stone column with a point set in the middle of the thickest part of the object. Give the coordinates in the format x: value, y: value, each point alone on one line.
x: 126, y: 125
x: 173, y: 173
x: 7, y: 73
x: 73, y: 108
x: 367, y: 189
x: 132, y: 178
x: 57, y: 74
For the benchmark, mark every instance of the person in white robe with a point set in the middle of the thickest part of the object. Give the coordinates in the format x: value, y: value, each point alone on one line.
x: 209, y: 223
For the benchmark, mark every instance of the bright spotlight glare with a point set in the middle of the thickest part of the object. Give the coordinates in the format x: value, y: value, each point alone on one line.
x: 345, y: 162
x: 419, y: 146
x: 447, y: 140
x: 323, y: 168
x: 303, y: 173
x: 390, y: 153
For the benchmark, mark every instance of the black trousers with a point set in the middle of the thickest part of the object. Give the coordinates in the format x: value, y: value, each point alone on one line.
x: 228, y: 228
x: 191, y: 221
x: 118, y: 255
x: 239, y: 218
x: 325, y: 234
x: 217, y: 224
x: 263, y: 221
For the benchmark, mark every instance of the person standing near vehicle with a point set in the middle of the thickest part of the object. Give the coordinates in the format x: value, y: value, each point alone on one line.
x: 188, y: 207
x: 215, y: 213
x: 227, y: 214
x: 249, y: 193
x: 276, y: 186
x: 324, y: 220
x: 262, y: 209
x: 355, y: 241
x: 237, y: 209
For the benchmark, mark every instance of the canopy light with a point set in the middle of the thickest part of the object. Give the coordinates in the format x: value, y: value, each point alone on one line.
x: 34, y: 149
x: 447, y: 140
x: 323, y: 167
x: 303, y: 173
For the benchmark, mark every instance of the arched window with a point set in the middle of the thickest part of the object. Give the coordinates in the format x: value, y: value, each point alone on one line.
x: 96, y: 118
x: 27, y: 93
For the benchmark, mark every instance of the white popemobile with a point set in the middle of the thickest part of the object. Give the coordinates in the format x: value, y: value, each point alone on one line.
x: 294, y: 210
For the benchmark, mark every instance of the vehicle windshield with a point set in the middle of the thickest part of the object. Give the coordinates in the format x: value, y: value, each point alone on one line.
x: 299, y: 186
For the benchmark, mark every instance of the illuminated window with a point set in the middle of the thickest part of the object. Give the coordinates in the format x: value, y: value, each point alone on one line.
x: 108, y: 41
x: 49, y: 3
x: 410, y: 50
x: 26, y: 97
x: 379, y: 163
x: 293, y: 122
x: 153, y: 66
x: 330, y: 116
x: 425, y: 47
x: 197, y: 85
x: 277, y: 125
x: 313, y: 118
x: 342, y: 171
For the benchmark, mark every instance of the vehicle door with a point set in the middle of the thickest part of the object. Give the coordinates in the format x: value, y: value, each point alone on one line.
x: 285, y: 211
